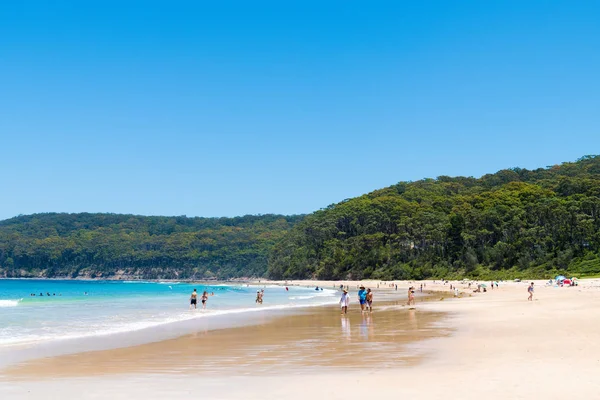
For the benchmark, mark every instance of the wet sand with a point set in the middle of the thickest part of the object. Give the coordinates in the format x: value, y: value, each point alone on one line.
x: 317, y: 337
x: 501, y: 347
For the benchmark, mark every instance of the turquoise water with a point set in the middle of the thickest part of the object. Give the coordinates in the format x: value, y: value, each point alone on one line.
x: 78, y: 309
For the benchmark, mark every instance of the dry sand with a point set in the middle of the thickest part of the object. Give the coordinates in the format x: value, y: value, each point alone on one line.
x: 503, y: 347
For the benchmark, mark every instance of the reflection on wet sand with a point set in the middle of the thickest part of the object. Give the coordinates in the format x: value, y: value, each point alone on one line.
x: 317, y: 337
x: 346, y: 331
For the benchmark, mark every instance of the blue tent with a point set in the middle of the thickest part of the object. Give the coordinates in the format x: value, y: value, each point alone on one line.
x: 560, y: 278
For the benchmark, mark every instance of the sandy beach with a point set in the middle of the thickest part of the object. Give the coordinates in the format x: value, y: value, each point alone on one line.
x: 495, y: 345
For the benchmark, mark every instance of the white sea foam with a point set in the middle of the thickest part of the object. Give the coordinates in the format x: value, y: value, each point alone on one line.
x: 100, y: 330
x: 10, y: 303
x: 316, y: 295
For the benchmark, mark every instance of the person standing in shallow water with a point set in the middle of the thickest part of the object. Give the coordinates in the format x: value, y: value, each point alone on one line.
x: 530, y: 291
x: 204, y: 299
x: 411, y: 296
x: 259, y: 296
x: 344, y: 301
x: 362, y: 298
x: 193, y: 299
x: 369, y: 300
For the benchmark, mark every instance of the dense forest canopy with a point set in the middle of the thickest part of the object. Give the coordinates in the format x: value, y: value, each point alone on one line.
x: 111, y: 245
x: 514, y: 223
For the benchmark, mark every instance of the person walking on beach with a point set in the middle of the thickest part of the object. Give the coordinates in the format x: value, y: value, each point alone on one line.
x: 369, y: 299
x: 411, y: 296
x: 193, y: 299
x: 362, y: 298
x: 344, y: 301
x: 530, y: 291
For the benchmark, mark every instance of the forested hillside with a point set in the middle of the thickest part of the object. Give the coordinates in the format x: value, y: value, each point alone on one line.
x: 111, y: 245
x: 514, y: 223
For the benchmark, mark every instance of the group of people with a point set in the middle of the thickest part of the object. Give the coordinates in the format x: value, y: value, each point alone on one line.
x: 365, y: 299
x: 203, y: 299
x: 205, y: 295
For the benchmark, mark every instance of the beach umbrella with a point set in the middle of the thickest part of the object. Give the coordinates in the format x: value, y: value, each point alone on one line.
x: 483, y: 285
x: 560, y: 278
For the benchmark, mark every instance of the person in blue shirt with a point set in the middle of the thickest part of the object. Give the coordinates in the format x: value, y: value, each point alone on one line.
x: 362, y: 298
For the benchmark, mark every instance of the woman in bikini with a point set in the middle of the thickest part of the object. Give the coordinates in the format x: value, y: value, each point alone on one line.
x: 411, y: 296
x: 204, y: 298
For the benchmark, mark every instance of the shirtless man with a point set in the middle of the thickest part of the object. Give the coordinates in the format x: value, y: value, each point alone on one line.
x: 193, y: 299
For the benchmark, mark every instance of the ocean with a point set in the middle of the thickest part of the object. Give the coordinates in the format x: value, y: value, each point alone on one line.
x: 72, y: 309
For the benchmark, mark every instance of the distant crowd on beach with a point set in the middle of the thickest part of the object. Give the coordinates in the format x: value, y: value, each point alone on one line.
x: 365, y: 297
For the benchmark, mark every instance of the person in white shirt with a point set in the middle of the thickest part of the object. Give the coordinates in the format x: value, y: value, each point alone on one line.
x: 344, y: 301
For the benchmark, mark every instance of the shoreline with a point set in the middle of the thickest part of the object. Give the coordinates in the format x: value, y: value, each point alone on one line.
x: 502, y: 346
x: 29, y: 352
x: 198, y: 321
x: 260, y: 348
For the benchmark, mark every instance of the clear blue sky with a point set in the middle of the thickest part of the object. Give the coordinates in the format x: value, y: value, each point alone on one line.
x: 223, y: 108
